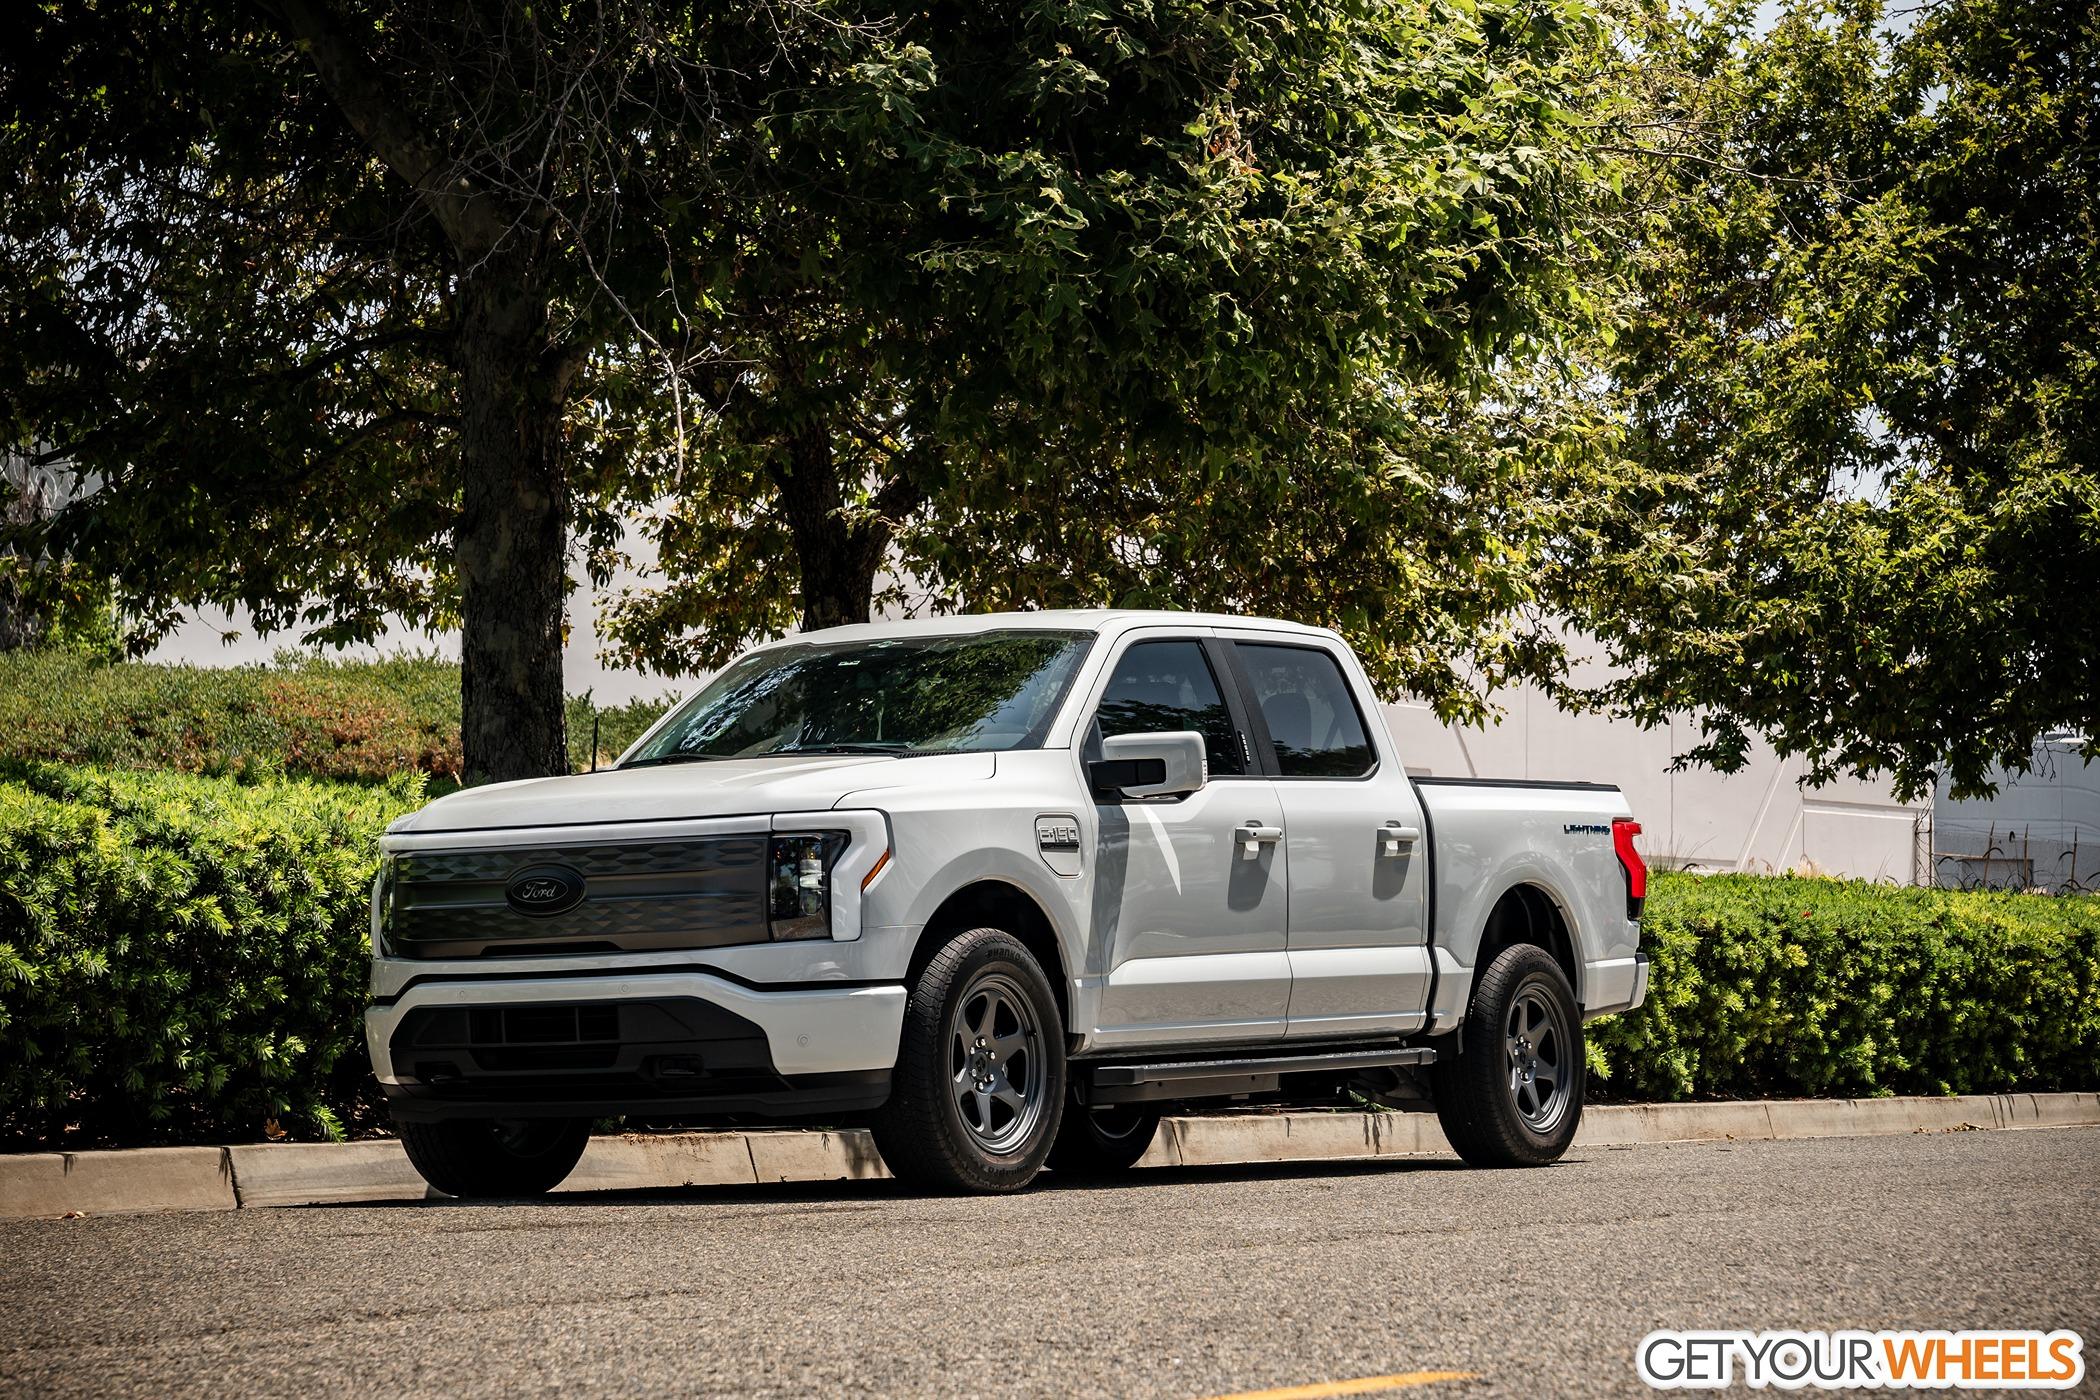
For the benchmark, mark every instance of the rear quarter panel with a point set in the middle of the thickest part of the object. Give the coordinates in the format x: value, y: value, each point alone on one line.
x: 1490, y: 838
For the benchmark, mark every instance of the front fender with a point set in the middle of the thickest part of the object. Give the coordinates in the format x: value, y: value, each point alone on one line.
x: 936, y: 855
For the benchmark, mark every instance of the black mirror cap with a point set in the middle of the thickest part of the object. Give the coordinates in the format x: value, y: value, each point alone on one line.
x: 1111, y: 775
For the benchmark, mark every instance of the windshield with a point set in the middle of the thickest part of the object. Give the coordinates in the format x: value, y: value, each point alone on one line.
x: 934, y: 694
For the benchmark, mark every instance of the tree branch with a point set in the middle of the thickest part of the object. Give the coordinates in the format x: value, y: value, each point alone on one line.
x: 350, y: 349
x: 381, y: 426
x: 473, y: 219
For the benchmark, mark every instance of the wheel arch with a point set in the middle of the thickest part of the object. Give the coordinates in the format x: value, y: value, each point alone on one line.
x: 992, y: 902
x: 1527, y: 911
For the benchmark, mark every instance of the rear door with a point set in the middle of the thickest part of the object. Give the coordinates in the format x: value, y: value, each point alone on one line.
x: 1189, y: 895
x: 1355, y: 843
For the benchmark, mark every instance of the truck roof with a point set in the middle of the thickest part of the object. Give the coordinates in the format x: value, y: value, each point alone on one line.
x: 1049, y: 619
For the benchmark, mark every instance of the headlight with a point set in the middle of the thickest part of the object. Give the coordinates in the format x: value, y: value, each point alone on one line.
x: 382, y: 902
x: 798, y: 883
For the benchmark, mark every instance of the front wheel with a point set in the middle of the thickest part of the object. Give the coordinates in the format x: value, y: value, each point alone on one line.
x: 1103, y: 1140
x: 490, y: 1158
x: 1512, y: 1095
x: 979, y: 1087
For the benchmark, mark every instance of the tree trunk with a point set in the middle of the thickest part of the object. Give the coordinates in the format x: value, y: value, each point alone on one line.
x: 512, y: 540
x: 838, y: 559
x: 511, y: 543
x: 22, y: 624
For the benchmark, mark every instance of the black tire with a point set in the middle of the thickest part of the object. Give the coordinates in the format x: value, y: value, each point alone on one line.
x: 1103, y: 1141
x: 925, y: 1132
x: 1480, y: 1090
x: 487, y: 1158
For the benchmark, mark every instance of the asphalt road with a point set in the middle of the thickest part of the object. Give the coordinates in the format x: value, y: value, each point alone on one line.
x: 1176, y: 1283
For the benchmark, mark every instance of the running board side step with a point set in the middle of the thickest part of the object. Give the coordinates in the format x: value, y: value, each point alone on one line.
x: 1182, y: 1079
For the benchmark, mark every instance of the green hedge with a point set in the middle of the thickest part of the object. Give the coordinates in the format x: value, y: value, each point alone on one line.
x: 1777, y: 986
x: 308, y: 716
x: 182, y: 958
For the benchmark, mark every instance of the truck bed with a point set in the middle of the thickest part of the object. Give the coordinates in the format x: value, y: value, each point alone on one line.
x: 1562, y: 834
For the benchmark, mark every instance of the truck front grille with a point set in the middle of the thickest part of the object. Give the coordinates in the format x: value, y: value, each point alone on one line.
x: 689, y: 892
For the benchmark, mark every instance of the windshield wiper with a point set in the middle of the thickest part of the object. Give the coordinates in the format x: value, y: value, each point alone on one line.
x: 888, y: 750
x: 661, y: 758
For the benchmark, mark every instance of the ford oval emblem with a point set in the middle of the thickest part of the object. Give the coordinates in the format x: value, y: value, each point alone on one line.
x: 544, y: 889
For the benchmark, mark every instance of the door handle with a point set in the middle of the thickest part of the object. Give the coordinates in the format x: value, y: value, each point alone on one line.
x: 1253, y: 836
x: 1393, y: 836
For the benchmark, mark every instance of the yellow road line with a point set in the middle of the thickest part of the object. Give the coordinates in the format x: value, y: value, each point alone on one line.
x: 1363, y: 1385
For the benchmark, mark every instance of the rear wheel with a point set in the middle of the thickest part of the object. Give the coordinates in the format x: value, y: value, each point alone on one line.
x: 487, y: 1158
x: 1512, y: 1095
x: 979, y: 1087
x: 1103, y: 1140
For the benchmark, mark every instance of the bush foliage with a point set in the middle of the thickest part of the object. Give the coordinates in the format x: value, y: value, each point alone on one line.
x: 182, y: 957
x: 1774, y: 987
x: 351, y: 721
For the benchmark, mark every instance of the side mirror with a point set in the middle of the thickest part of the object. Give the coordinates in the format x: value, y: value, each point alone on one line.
x: 1150, y: 765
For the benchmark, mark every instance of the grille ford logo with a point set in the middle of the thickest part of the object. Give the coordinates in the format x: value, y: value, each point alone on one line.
x: 544, y: 889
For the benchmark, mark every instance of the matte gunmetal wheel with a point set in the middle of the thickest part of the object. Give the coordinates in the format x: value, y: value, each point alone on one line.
x: 979, y: 1087
x: 995, y: 1062
x: 1509, y: 1084
x: 1540, y: 1079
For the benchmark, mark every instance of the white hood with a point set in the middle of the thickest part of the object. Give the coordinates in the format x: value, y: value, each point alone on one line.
x: 677, y: 791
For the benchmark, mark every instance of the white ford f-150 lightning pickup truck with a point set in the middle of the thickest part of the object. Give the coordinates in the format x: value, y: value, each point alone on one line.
x: 1003, y: 888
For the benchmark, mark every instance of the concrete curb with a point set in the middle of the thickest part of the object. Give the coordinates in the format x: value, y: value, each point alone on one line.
x: 144, y: 1179
x: 47, y: 1184
x: 323, y: 1173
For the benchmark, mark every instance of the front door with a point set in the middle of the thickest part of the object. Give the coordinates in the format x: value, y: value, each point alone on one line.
x: 1357, y: 848
x: 1189, y: 895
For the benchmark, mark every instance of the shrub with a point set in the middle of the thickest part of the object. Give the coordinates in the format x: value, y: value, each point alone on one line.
x: 310, y: 716
x: 618, y: 726
x: 1767, y: 987
x: 360, y: 722
x: 182, y: 957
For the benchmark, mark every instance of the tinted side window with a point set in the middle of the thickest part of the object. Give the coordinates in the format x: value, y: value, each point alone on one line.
x: 1160, y: 687
x: 1311, y: 716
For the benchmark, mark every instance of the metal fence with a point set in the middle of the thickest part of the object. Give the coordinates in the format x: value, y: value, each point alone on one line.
x: 1959, y: 856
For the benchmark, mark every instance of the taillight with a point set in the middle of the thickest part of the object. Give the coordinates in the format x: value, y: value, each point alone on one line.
x: 1623, y: 830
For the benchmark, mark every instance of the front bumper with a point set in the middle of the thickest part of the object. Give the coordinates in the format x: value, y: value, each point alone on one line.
x: 668, y: 1044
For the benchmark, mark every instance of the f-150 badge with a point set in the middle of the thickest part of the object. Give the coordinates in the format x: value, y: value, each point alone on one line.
x: 1057, y: 838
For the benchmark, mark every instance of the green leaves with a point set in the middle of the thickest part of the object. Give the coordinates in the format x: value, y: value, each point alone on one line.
x: 1207, y: 305
x: 375, y: 722
x: 181, y: 958
x: 1857, y: 515
x: 1779, y: 987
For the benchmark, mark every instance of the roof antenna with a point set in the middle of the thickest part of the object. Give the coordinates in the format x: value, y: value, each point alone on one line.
x: 594, y: 737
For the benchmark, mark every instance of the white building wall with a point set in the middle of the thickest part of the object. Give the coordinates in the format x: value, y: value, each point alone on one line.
x: 1760, y: 819
x: 217, y: 637
x: 2059, y: 795
x: 2041, y: 830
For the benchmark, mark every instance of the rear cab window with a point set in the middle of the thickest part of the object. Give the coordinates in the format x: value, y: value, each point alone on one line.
x: 1310, y: 711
